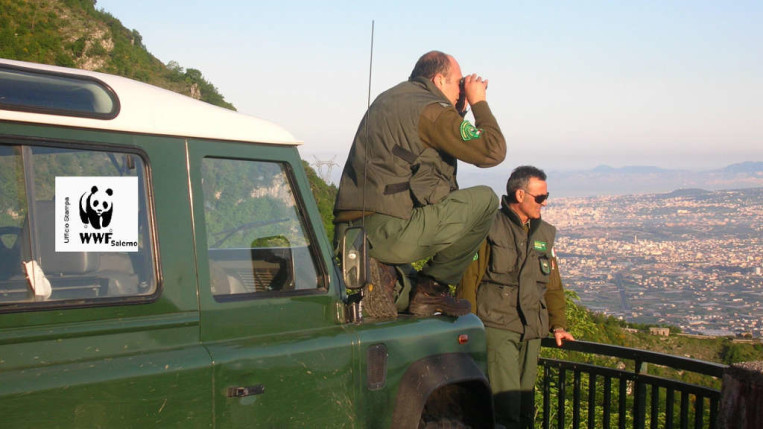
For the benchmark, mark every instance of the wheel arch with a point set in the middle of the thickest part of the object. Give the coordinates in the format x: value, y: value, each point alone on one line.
x: 444, y: 383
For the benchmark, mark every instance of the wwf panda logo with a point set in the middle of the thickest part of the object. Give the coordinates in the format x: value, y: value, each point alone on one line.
x: 96, y: 207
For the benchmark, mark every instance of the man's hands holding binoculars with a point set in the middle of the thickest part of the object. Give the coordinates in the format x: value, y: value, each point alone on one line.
x: 473, y: 90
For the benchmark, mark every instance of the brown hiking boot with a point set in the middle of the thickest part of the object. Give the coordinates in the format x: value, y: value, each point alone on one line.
x: 379, y: 292
x: 430, y: 297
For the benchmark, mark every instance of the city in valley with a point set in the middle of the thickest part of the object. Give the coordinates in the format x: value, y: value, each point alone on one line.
x: 690, y: 258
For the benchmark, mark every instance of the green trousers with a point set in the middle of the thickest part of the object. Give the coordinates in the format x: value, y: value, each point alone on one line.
x: 512, y: 367
x: 450, y: 232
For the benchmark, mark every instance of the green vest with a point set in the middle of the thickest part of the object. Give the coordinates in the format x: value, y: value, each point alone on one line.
x: 512, y: 293
x: 388, y: 163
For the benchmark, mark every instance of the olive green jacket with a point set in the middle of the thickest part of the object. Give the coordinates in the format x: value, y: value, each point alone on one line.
x: 405, y: 151
x: 388, y: 163
x: 514, y: 282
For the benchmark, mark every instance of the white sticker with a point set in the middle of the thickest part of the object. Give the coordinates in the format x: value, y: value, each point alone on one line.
x: 96, y: 214
x: 40, y: 284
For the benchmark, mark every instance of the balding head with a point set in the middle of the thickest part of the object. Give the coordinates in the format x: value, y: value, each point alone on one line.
x: 431, y: 64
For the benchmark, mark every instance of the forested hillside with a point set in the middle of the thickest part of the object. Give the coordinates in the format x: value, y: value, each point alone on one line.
x: 74, y: 33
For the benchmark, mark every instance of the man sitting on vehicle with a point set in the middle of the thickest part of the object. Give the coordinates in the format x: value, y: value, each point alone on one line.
x: 399, y: 182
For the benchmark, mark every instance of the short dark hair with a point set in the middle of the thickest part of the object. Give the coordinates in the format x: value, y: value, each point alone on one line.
x: 430, y: 64
x: 519, y: 179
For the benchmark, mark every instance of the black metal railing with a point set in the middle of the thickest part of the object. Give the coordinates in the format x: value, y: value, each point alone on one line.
x: 626, y: 396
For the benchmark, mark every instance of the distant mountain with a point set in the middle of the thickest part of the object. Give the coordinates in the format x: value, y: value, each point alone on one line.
x: 607, y: 180
x: 648, y: 179
x: 744, y: 168
x: 691, y: 192
x: 634, y: 169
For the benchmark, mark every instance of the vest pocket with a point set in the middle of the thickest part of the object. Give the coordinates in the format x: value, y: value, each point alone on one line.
x: 497, y: 305
x: 428, y: 186
x: 503, y: 259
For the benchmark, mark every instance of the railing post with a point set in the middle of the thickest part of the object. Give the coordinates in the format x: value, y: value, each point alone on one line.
x: 623, y: 396
x: 669, y: 402
x: 655, y: 408
x: 546, y: 397
x: 591, y: 400
x: 576, y: 400
x: 684, y: 420
x: 607, y: 404
x: 639, y: 400
x: 742, y: 396
x: 560, y: 411
x: 699, y: 408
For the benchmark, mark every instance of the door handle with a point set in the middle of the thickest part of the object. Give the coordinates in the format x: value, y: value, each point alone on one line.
x: 242, y: 391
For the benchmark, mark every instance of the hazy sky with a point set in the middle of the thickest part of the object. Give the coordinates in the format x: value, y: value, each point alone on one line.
x: 574, y: 84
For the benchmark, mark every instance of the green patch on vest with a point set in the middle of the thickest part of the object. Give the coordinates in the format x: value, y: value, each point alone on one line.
x: 469, y: 131
x: 540, y: 246
x: 545, y: 267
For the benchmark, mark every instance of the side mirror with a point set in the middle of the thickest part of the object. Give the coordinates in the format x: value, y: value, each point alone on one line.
x: 354, y: 257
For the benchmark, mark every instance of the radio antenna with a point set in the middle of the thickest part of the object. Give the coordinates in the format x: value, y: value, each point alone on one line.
x: 368, y: 116
x: 371, y: 64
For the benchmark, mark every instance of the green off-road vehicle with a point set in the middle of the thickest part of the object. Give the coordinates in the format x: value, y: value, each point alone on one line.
x: 163, y: 264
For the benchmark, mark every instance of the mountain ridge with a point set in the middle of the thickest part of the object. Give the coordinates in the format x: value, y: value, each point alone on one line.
x: 635, y: 179
x: 747, y: 167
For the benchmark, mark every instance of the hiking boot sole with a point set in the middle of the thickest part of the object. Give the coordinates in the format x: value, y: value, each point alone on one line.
x: 378, y: 300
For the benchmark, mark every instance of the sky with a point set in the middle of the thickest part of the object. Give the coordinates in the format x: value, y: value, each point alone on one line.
x: 573, y: 84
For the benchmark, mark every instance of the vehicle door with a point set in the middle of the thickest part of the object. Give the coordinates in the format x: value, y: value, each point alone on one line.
x: 94, y: 331
x: 270, y: 316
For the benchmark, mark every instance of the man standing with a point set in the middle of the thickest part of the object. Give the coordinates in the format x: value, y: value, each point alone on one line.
x: 399, y: 181
x: 519, y: 295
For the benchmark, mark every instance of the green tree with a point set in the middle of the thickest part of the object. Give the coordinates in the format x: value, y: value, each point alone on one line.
x: 732, y: 352
x: 324, y: 195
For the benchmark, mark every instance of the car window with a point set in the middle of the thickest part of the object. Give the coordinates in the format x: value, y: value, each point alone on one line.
x: 256, y: 238
x: 74, y: 227
x: 40, y: 91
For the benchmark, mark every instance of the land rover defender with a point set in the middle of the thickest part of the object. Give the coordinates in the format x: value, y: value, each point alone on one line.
x: 163, y: 263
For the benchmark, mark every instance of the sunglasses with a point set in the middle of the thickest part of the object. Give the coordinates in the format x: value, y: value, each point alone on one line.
x: 539, y: 199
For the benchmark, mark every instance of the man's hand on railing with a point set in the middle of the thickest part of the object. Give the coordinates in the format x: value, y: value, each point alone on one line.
x: 561, y: 335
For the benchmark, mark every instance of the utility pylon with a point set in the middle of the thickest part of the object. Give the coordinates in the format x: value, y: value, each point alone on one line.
x: 324, y: 168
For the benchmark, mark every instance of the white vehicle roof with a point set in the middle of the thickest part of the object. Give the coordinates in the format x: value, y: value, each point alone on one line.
x: 148, y: 109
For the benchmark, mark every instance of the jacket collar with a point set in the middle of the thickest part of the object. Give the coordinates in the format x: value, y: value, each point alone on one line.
x: 429, y: 86
x: 514, y: 217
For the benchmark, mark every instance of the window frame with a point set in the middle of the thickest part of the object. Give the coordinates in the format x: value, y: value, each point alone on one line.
x: 313, y: 246
x: 26, y: 143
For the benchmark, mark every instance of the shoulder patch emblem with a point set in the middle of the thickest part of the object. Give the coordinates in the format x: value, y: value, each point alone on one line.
x: 469, y: 131
x: 545, y: 267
